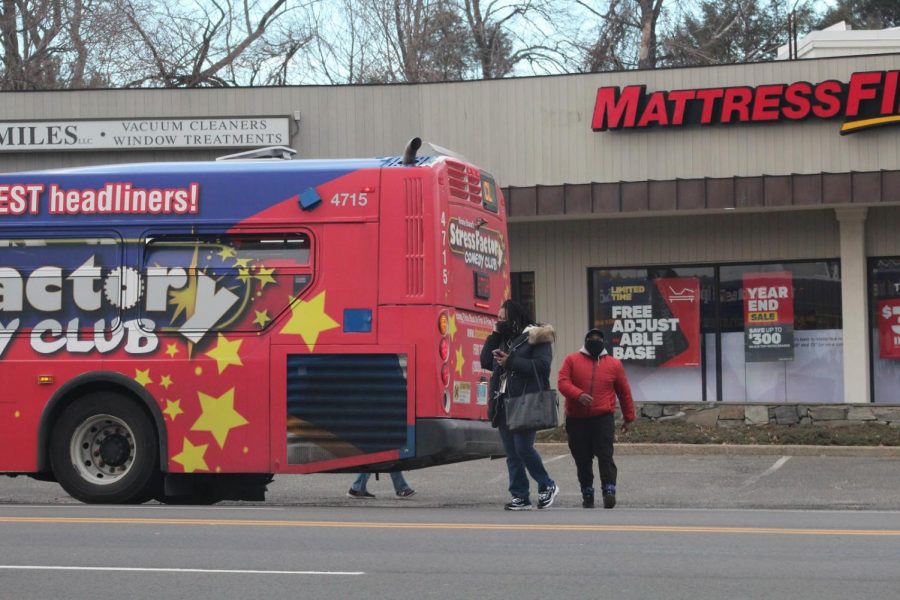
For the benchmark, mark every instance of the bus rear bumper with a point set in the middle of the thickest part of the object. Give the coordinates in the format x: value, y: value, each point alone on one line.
x: 442, y: 441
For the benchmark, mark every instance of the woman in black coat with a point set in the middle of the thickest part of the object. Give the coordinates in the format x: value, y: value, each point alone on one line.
x: 518, y: 353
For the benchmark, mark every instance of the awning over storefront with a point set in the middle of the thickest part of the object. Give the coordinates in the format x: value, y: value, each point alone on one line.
x: 674, y: 195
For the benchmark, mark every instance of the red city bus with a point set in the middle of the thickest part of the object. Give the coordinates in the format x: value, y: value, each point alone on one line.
x: 184, y: 331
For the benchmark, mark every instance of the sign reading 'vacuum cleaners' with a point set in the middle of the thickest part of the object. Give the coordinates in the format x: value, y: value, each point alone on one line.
x: 142, y: 134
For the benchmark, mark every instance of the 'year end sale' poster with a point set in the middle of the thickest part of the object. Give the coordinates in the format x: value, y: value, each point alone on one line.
x: 655, y: 322
x: 768, y: 317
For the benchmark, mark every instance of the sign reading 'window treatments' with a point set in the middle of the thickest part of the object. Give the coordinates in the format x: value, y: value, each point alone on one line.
x: 143, y: 134
x: 768, y: 317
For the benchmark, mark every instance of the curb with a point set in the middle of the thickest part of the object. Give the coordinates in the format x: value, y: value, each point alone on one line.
x: 639, y: 449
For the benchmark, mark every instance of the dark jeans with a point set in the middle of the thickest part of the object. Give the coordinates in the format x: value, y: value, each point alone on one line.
x: 521, y: 456
x: 590, y: 437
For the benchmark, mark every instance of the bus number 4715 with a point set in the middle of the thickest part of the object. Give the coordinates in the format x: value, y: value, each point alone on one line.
x: 342, y: 199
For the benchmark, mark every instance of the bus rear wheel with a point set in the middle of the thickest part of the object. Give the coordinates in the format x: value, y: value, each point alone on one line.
x: 103, y: 450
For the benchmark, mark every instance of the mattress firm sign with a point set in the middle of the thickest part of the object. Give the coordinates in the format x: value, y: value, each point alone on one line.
x: 144, y: 134
x: 867, y: 100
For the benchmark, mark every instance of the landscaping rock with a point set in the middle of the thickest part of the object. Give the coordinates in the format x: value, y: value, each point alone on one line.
x: 786, y: 415
x: 652, y: 411
x: 704, y: 417
x: 828, y: 413
x: 731, y: 411
x: 860, y: 413
x: 756, y: 415
x: 887, y: 414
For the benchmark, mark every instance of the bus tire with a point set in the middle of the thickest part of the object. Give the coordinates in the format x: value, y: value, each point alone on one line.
x: 104, y: 450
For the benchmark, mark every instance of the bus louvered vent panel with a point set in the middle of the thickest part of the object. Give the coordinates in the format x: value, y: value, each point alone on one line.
x: 415, y: 238
x: 464, y: 185
x: 356, y: 400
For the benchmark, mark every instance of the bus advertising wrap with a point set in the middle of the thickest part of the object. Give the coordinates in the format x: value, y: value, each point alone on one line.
x: 889, y: 328
x: 655, y: 322
x: 768, y: 317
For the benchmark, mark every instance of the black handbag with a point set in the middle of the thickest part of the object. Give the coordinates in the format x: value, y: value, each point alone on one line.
x: 533, y: 411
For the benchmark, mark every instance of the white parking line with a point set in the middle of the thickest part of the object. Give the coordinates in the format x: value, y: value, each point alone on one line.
x: 555, y: 458
x: 168, y: 570
x: 778, y: 464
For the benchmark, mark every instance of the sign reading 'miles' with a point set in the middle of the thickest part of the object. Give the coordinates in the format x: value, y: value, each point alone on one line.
x: 140, y: 134
x: 869, y: 99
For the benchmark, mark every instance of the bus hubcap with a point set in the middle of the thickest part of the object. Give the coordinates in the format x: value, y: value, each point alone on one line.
x: 103, y: 449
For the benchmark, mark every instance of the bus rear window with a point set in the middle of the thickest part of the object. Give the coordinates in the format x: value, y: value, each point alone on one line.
x: 472, y: 185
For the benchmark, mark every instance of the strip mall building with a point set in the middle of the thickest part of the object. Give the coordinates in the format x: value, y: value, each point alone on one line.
x: 735, y: 229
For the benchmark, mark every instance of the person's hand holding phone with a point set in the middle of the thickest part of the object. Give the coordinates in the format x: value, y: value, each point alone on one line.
x: 501, y: 357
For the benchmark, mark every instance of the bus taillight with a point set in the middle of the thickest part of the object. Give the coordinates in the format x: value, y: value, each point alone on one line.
x: 444, y: 348
x: 445, y: 374
x: 443, y: 323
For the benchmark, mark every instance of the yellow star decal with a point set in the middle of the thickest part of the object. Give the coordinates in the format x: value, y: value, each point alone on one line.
x: 226, y: 252
x: 219, y: 416
x: 451, y: 328
x: 172, y: 350
x: 308, y: 320
x: 262, y: 317
x: 506, y: 293
x: 264, y: 276
x: 191, y: 457
x: 226, y: 353
x: 173, y: 409
x: 242, y: 263
x: 142, y: 376
x: 165, y: 381
x: 244, y: 274
x: 460, y: 361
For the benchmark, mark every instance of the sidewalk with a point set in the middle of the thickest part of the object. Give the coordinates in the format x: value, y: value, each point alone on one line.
x: 623, y: 449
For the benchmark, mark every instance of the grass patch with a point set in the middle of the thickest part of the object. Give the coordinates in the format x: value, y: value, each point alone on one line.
x: 679, y: 432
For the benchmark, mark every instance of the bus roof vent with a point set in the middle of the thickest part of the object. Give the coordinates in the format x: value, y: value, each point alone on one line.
x: 465, y: 181
x: 397, y: 161
x: 270, y: 152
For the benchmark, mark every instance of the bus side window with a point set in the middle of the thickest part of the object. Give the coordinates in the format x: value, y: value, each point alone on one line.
x: 240, y: 282
x: 63, y: 280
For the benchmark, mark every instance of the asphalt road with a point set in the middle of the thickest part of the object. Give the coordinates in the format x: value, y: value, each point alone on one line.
x: 688, y: 526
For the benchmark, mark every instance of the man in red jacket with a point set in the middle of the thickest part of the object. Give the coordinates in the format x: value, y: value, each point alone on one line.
x: 590, y: 380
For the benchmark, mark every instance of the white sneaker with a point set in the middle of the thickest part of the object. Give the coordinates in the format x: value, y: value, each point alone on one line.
x: 545, y: 498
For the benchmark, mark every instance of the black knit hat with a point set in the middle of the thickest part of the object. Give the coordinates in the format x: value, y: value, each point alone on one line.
x: 594, y: 331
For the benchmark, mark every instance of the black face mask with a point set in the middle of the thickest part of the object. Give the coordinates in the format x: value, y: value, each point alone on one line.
x: 505, y: 329
x: 594, y: 347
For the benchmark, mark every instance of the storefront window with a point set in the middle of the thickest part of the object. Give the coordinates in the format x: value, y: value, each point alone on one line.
x: 765, y: 332
x: 523, y: 291
x: 795, y: 352
x: 660, y: 321
x: 884, y: 299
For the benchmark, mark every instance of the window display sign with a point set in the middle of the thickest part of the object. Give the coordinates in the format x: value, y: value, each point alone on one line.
x: 655, y: 322
x: 768, y: 317
x: 889, y: 328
